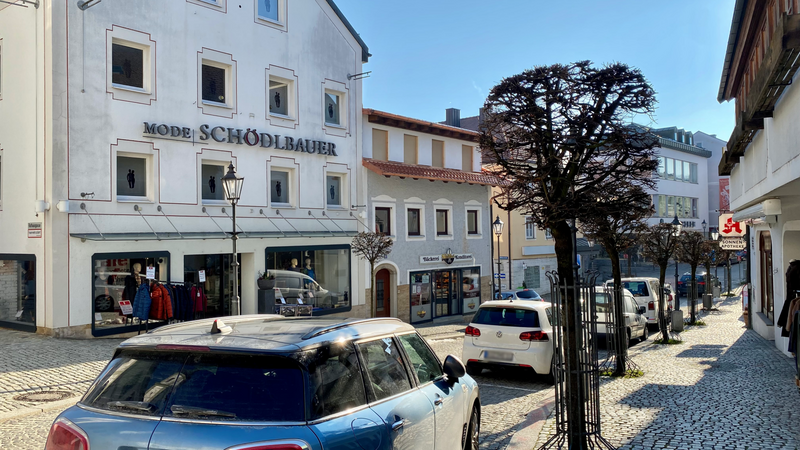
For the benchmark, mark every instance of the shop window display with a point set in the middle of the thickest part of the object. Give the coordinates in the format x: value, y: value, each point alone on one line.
x: 18, y: 291
x: 420, y: 288
x: 316, y: 276
x: 471, y: 289
x: 134, y: 278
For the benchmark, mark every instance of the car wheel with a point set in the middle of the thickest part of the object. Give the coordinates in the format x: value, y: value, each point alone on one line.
x: 630, y: 337
x: 473, y: 430
x: 644, y: 334
x: 103, y: 303
x: 473, y: 369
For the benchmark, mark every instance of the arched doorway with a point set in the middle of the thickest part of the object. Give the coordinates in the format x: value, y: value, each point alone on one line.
x: 383, y: 297
x: 767, y: 293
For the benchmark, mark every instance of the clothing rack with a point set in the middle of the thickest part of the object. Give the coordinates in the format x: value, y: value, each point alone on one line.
x: 166, y: 284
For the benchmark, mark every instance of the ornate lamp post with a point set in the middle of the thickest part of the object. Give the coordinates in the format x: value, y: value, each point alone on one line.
x: 677, y: 226
x: 714, y: 237
x: 498, y: 230
x: 705, y: 225
x: 233, y: 191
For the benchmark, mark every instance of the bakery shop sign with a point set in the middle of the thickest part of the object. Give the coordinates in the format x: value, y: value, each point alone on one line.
x: 251, y: 137
x: 447, y: 257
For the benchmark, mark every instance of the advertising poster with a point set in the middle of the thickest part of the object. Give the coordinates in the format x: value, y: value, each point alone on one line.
x: 724, y: 194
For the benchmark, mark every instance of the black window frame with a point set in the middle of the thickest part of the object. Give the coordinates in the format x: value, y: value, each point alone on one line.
x: 388, y: 210
x: 418, y: 221
x: 16, y: 325
x: 446, y: 223
x: 477, y: 223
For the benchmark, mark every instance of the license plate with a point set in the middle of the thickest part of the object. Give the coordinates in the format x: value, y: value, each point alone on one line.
x: 498, y: 356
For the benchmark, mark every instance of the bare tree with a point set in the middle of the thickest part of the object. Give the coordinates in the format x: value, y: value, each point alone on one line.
x: 692, y: 248
x: 616, y: 225
x: 560, y: 138
x: 372, y: 247
x: 659, y: 243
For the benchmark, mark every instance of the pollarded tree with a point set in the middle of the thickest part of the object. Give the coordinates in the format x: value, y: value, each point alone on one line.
x: 615, y: 227
x: 691, y: 249
x: 372, y: 247
x: 659, y: 243
x: 559, y: 136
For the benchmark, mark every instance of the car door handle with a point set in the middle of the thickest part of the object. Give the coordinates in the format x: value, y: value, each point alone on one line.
x: 397, y: 426
x: 438, y: 401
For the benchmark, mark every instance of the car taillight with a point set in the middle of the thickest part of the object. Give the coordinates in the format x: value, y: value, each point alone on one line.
x: 65, y: 435
x: 288, y: 445
x: 472, y: 331
x: 651, y: 306
x: 533, y: 336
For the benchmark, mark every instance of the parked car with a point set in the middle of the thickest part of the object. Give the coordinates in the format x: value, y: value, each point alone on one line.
x: 506, y: 295
x: 635, y: 320
x: 293, y: 284
x: 645, y: 291
x: 265, y: 381
x: 508, y: 333
x: 685, y: 283
x: 528, y: 294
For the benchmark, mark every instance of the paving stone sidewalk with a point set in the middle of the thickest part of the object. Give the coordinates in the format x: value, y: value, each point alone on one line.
x: 35, y: 363
x: 724, y: 387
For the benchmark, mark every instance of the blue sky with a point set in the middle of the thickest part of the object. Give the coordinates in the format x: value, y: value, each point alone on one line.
x: 437, y: 54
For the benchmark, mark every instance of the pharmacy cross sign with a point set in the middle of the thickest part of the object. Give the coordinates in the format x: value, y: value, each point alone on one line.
x: 729, y: 228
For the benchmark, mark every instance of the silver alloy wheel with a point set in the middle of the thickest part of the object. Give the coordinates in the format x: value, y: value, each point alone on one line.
x: 474, y: 430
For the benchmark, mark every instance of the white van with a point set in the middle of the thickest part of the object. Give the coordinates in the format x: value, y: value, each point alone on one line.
x: 645, y: 291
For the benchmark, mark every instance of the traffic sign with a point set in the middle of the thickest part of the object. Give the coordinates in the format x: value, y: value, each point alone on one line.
x: 733, y: 243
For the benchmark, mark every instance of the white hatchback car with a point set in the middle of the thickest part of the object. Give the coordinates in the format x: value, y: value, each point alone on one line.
x: 510, y: 333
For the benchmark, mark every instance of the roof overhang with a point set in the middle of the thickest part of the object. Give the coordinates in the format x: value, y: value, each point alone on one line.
x: 421, y: 126
x: 733, y: 39
x: 418, y: 172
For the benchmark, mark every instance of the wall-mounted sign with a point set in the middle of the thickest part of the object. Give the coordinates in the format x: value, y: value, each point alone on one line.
x: 732, y: 243
x: 729, y: 228
x: 202, y: 276
x: 464, y: 257
x: 34, y: 230
x: 251, y: 137
x: 151, y: 273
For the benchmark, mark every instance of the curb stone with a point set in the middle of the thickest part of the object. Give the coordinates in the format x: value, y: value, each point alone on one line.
x: 528, y: 433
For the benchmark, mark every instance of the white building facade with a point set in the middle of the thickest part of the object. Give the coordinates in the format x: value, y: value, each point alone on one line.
x: 117, y: 124
x: 425, y: 189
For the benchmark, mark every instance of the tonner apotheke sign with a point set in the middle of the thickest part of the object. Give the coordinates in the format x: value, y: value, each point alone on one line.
x: 250, y: 136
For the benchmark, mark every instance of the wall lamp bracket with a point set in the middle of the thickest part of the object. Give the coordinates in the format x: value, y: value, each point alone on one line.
x: 83, y: 5
x: 359, y: 76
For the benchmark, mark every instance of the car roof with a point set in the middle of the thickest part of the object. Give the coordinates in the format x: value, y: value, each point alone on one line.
x: 634, y: 279
x: 267, y: 332
x: 515, y: 304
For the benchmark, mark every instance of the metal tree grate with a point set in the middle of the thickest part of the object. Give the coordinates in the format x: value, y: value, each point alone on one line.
x: 575, y: 365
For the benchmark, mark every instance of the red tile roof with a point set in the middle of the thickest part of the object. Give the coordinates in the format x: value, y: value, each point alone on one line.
x: 392, y: 168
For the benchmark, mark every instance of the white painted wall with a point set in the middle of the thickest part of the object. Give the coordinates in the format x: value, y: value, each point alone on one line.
x: 715, y: 146
x: 683, y: 189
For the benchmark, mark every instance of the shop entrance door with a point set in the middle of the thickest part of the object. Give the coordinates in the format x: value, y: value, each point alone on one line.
x: 382, y: 294
x: 767, y: 293
x: 218, y: 284
x: 446, y: 293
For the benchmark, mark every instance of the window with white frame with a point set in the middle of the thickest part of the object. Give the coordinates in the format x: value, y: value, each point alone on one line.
x: 473, y: 221
x: 547, y: 234
x: 131, y: 177
x: 442, y: 222
x: 414, y: 221
x: 211, y: 181
x: 530, y: 228
x: 130, y: 65
x: 677, y: 170
x: 217, y: 5
x: 280, y: 187
x: 216, y: 83
x: 333, y: 190
x: 334, y: 104
x: 281, y: 97
x: 383, y: 220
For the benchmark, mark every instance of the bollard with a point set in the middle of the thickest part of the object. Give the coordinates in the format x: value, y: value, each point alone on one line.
x: 708, y: 301
x: 677, y: 320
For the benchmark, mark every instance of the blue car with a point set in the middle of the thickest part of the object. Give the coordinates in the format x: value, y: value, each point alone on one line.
x: 269, y: 382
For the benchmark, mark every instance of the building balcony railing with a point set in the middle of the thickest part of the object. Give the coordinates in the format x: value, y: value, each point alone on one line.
x: 778, y: 67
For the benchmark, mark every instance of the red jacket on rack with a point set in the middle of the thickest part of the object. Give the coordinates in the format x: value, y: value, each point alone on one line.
x: 161, y: 306
x: 199, y: 299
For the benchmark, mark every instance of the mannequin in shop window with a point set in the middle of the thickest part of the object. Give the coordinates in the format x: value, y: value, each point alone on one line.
x: 293, y: 267
x: 792, y: 302
x: 309, y: 270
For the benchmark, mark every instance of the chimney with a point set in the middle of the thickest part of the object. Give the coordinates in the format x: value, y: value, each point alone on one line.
x: 453, y: 117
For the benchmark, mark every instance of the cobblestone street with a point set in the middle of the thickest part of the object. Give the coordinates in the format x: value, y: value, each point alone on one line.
x: 724, y: 387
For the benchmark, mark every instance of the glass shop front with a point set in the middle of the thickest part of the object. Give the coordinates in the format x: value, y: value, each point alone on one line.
x: 18, y: 292
x: 442, y: 293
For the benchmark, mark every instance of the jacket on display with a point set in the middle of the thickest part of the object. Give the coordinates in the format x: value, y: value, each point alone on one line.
x: 199, y: 299
x: 792, y: 285
x: 161, y: 308
x: 131, y: 287
x: 141, y: 303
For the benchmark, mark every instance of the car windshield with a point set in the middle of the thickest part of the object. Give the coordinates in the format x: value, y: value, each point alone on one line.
x: 507, y: 316
x: 527, y: 294
x: 637, y: 288
x: 202, y: 385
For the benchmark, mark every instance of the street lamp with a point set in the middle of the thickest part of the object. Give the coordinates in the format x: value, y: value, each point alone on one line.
x: 714, y: 237
x: 498, y: 230
x: 705, y: 225
x: 677, y: 226
x: 233, y: 191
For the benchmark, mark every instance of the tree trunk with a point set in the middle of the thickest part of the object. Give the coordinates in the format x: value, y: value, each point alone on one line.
x: 373, y: 294
x: 693, y: 299
x: 662, y: 303
x: 620, y: 333
x: 576, y: 415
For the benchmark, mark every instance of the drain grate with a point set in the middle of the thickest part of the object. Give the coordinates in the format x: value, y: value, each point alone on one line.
x: 43, y: 396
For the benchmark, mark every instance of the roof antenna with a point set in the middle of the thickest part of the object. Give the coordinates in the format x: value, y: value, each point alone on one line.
x: 219, y: 327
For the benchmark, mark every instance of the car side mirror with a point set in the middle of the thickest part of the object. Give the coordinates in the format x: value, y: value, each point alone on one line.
x: 642, y: 310
x: 453, y: 368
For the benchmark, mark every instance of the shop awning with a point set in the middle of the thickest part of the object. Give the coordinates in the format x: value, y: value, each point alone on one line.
x: 761, y: 212
x: 207, y: 235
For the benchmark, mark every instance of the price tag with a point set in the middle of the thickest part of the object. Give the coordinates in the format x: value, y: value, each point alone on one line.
x: 98, y: 317
x: 202, y: 276
x: 126, y: 307
x: 151, y: 273
x: 19, y: 314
